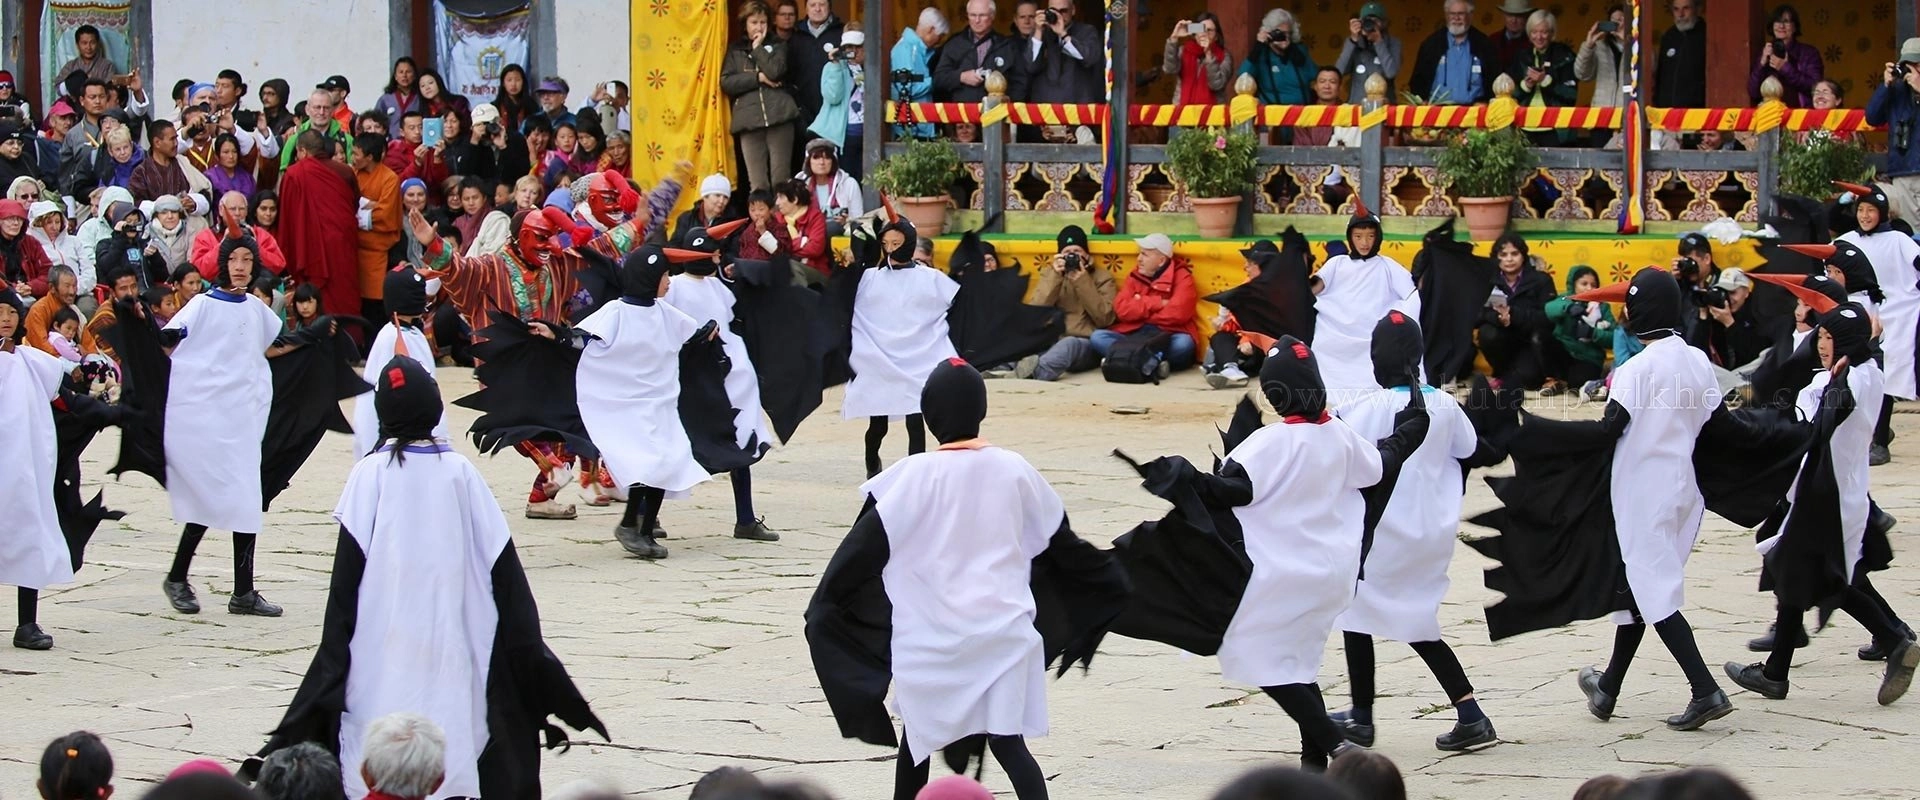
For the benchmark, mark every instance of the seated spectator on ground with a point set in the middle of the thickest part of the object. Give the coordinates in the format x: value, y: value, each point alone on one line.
x: 1157, y: 297
x: 1514, y: 331
x: 206, y: 244
x: 1083, y: 290
x: 305, y: 771
x: 1693, y: 268
x: 404, y: 757
x: 172, y: 232
x: 716, y: 193
x: 122, y: 158
x: 725, y: 782
x: 200, y: 784
x: 1276, y: 300
x: 1272, y: 783
x: 954, y: 787
x: 15, y: 161
x: 164, y: 174
x: 121, y: 285
x: 618, y: 154
x: 49, y: 227
x: 835, y: 192
x: 1582, y: 330
x: 1730, y: 330
x: 265, y: 213
x: 25, y: 265
x: 126, y: 246
x: 589, y: 144
x: 807, y: 240
x: 76, y: 766
x: 1696, y: 783
x: 1368, y: 774
x: 61, y: 294
x: 1796, y: 63
x: 1602, y: 787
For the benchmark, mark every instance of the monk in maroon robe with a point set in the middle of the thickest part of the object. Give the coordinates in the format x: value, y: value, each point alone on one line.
x: 318, y: 230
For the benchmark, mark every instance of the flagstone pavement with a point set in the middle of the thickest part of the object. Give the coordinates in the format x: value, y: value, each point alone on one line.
x: 698, y: 661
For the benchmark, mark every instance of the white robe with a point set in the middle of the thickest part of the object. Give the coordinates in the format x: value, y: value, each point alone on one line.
x: 628, y: 387
x: 1893, y: 254
x: 709, y: 298
x: 899, y: 336
x: 1849, y: 448
x: 366, y: 424
x: 1303, y: 535
x: 423, y: 635
x: 1670, y: 391
x: 217, y: 404
x: 1406, y: 572
x: 1354, y: 295
x: 33, y: 551
x: 966, y: 657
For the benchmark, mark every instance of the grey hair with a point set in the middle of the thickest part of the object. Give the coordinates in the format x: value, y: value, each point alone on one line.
x: 405, y: 755
x: 1450, y: 3
x: 305, y: 771
x: 1543, y: 17
x: 60, y: 271
x: 1279, y: 17
x: 931, y: 17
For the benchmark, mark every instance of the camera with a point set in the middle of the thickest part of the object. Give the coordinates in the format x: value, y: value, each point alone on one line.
x: 1780, y: 48
x: 1072, y: 262
x: 10, y: 112
x: 1370, y: 25
x: 844, y: 52
x: 1688, y: 267
x: 904, y: 76
x: 1277, y: 37
x: 492, y: 129
x: 246, y: 120
x: 1711, y: 297
x: 1050, y: 16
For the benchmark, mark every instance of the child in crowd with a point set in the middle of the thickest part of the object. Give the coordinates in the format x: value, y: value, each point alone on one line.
x: 1582, y: 330
x: 76, y: 766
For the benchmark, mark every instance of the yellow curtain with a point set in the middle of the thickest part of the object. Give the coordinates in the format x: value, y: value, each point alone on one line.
x: 678, y: 110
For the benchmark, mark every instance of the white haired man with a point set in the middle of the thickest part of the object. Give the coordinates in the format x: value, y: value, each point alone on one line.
x: 403, y: 758
x: 913, y: 54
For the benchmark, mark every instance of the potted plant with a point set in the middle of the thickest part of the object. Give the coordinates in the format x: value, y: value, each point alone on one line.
x: 1215, y: 167
x: 1809, y: 168
x: 920, y: 181
x: 1485, y: 168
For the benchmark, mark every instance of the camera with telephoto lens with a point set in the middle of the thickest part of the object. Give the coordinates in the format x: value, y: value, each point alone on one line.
x: 1710, y: 297
x: 843, y: 52
x: 1051, y: 16
x: 1688, y: 267
x: 1370, y: 25
x: 492, y: 129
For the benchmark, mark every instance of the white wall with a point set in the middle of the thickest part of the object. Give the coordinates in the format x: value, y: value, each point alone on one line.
x: 302, y: 41
x: 590, y: 37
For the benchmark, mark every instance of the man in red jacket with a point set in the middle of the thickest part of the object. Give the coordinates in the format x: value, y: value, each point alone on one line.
x: 1157, y: 296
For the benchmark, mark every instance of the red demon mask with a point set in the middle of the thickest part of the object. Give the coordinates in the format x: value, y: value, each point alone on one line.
x: 610, y: 200
x: 539, y: 239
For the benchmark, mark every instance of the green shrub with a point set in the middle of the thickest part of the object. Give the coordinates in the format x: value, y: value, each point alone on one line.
x: 1810, y: 169
x: 924, y: 169
x: 1212, y: 162
x: 1483, y: 163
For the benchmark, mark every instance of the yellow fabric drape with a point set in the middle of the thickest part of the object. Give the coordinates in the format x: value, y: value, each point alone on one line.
x: 678, y: 110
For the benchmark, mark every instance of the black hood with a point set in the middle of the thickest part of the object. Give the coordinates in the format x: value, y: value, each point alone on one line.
x: 901, y: 256
x: 1857, y: 268
x: 640, y: 273
x: 1852, y: 332
x: 1278, y: 302
x: 407, y: 401
x: 404, y: 292
x: 954, y: 401
x: 228, y: 245
x: 1290, y: 378
x: 1397, y: 350
x: 1653, y: 304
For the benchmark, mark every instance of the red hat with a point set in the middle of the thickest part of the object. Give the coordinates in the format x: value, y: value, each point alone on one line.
x: 11, y: 209
x: 6, y: 77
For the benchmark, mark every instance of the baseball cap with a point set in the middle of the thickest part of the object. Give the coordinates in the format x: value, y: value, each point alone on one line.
x: 1374, y: 9
x: 335, y: 83
x: 552, y: 85
x: 1733, y: 278
x: 1910, y: 50
x: 485, y: 113
x: 853, y: 39
x: 1156, y: 241
x: 61, y: 108
x: 1695, y: 242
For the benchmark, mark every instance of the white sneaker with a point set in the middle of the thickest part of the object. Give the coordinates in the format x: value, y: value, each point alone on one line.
x: 1234, y: 373
x: 1026, y: 367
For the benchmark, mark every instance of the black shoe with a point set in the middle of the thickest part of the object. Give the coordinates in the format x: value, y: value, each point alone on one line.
x: 659, y: 532
x: 180, y: 594
x: 30, y: 637
x: 1599, y: 703
x: 755, y: 531
x: 1874, y: 651
x: 640, y: 544
x: 252, y: 604
x: 1701, y: 711
x: 1355, y: 732
x: 1879, y: 521
x: 1765, y: 643
x: 1877, y: 455
x: 1900, y: 665
x: 1466, y: 736
x: 1753, y: 678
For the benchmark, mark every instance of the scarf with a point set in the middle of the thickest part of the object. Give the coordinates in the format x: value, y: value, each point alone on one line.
x: 1194, y: 90
x: 10, y: 253
x: 469, y: 224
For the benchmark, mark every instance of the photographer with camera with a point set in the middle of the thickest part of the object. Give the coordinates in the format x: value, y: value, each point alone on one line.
x: 1069, y: 65
x: 1796, y: 63
x: 843, y: 97
x: 1281, y: 65
x: 960, y: 74
x: 1730, y: 330
x: 1602, y: 59
x: 1084, y: 292
x: 1581, y: 330
x: 1197, y: 61
x: 1894, y: 105
x: 1369, y: 50
x: 1456, y: 64
x: 1693, y: 268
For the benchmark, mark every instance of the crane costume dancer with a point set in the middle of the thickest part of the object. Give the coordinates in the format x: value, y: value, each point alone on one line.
x: 404, y: 294
x: 1895, y: 257
x: 959, y: 604
x: 425, y: 557
x: 1353, y: 291
x: 899, y: 326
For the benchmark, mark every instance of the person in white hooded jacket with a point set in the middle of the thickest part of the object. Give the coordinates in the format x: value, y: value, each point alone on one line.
x: 47, y: 222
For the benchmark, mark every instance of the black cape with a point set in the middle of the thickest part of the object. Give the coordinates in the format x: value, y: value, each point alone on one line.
x: 144, y: 373
x: 76, y: 418
x: 308, y: 385
x: 788, y: 334
x: 1453, y: 284
x: 1559, y: 558
x: 526, y: 389
x: 526, y: 683
x: 1808, y: 566
x: 1078, y: 592
x: 1280, y: 301
x: 989, y: 320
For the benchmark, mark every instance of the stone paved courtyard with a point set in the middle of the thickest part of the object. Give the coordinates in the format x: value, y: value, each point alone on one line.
x: 698, y: 661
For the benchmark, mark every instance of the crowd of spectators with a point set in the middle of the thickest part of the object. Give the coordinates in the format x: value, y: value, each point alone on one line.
x: 404, y: 758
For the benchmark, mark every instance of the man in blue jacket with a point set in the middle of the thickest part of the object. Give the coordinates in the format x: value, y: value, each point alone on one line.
x: 1896, y: 104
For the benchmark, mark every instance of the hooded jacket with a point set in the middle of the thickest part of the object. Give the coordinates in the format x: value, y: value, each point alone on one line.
x: 1583, y: 342
x: 1165, y: 301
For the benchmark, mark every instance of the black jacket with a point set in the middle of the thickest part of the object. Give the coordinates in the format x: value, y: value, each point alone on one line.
x: 111, y: 254
x: 959, y: 56
x: 1730, y: 347
x: 806, y: 58
x: 1427, y: 64
x: 1060, y: 78
x: 12, y: 169
x: 1526, y: 302
x: 1680, y: 68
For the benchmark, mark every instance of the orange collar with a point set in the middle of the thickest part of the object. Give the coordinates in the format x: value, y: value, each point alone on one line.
x: 975, y: 443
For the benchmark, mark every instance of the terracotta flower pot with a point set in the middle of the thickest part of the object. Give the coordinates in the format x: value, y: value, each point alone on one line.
x: 1215, y: 215
x: 928, y: 214
x: 1486, y: 216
